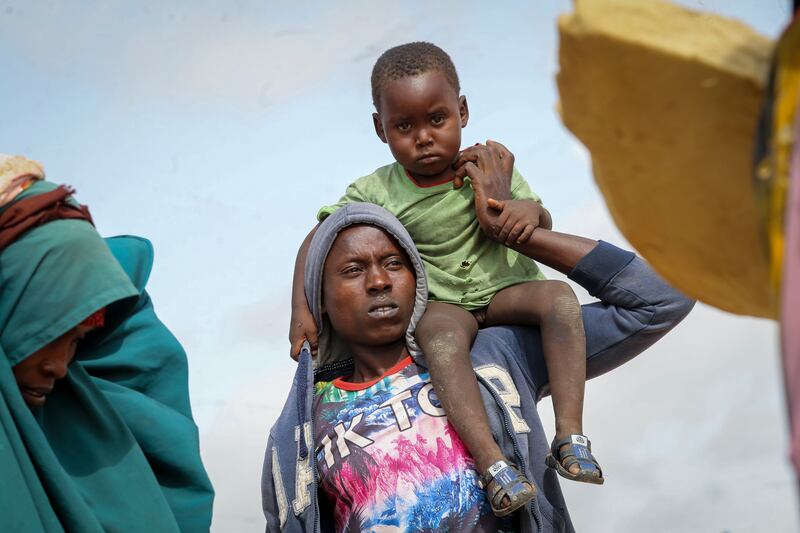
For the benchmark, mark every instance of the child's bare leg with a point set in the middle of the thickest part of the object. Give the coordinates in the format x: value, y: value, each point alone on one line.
x: 445, y: 335
x: 553, y: 306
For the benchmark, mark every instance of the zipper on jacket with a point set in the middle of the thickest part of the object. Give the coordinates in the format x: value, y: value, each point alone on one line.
x: 534, y: 505
x: 316, y: 491
x: 306, y: 416
x: 332, y: 368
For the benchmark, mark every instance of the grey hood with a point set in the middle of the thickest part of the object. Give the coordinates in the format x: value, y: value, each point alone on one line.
x: 331, y: 348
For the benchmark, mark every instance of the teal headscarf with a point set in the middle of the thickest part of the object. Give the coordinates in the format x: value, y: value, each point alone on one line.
x: 115, y: 447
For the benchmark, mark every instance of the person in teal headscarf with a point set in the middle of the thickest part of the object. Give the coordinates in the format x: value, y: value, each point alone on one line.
x: 106, y: 443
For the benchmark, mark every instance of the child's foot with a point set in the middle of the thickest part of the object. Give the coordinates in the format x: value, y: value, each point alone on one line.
x: 506, y: 488
x: 572, y: 458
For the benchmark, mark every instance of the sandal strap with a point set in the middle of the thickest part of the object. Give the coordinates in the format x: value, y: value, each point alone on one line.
x: 580, y: 440
x: 508, y: 482
x: 579, y: 452
x: 583, y: 464
x: 492, y: 472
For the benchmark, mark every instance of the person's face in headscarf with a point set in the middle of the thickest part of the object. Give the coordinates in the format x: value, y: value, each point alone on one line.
x: 58, y: 278
x: 37, y: 374
x: 368, y: 287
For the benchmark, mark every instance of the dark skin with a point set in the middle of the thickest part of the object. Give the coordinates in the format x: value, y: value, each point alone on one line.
x: 368, y: 292
x: 501, y: 217
x: 37, y: 374
x: 553, y: 307
x: 423, y: 131
x: 420, y: 118
x: 369, y: 289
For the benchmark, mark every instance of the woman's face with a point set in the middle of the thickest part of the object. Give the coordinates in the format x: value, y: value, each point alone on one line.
x: 37, y: 374
x: 368, y: 287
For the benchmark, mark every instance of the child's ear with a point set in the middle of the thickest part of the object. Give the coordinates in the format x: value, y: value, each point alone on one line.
x: 376, y: 120
x: 463, y: 110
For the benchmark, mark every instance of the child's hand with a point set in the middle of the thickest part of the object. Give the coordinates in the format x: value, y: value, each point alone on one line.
x: 302, y: 328
x: 516, y: 221
x: 490, y: 168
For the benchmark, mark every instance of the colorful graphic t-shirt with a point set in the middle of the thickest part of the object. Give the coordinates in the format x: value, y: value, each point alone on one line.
x: 390, y: 461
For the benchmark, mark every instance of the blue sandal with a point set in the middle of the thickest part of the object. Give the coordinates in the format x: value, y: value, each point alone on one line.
x: 503, y: 480
x: 580, y: 453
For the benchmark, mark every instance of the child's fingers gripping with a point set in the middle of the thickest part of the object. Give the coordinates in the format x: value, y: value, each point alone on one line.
x: 515, y: 233
x: 498, y: 224
x: 526, y: 234
x: 313, y: 339
x: 508, y: 224
x: 467, y: 155
x: 497, y: 205
x: 294, y: 351
x: 311, y: 333
x: 295, y: 332
x: 297, y: 347
x: 472, y: 170
x: 458, y: 177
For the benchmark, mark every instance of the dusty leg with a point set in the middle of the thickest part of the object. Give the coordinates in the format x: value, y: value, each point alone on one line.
x: 445, y: 335
x: 552, y: 305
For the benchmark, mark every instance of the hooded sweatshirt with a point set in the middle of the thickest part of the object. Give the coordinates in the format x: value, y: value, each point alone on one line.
x: 636, y: 308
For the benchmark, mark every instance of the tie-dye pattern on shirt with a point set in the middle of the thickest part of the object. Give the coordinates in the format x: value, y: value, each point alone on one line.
x: 390, y: 461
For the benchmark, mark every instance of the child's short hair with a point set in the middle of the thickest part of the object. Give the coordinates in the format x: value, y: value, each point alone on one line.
x: 411, y: 59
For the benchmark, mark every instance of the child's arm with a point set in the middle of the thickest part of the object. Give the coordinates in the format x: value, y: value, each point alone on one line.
x: 507, y: 213
x: 302, y: 326
x: 521, y: 215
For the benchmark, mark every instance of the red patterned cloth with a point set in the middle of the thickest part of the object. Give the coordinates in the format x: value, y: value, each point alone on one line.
x: 96, y: 319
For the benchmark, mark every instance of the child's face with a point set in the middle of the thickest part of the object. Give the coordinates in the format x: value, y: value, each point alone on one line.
x: 421, y: 117
x: 36, y: 375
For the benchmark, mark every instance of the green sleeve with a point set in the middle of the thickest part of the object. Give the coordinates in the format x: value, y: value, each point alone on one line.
x: 520, y: 190
x: 352, y: 194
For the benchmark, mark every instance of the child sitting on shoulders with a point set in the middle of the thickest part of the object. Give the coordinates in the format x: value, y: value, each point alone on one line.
x: 474, y: 281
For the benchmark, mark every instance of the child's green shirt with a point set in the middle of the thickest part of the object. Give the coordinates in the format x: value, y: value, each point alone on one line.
x: 464, y: 266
